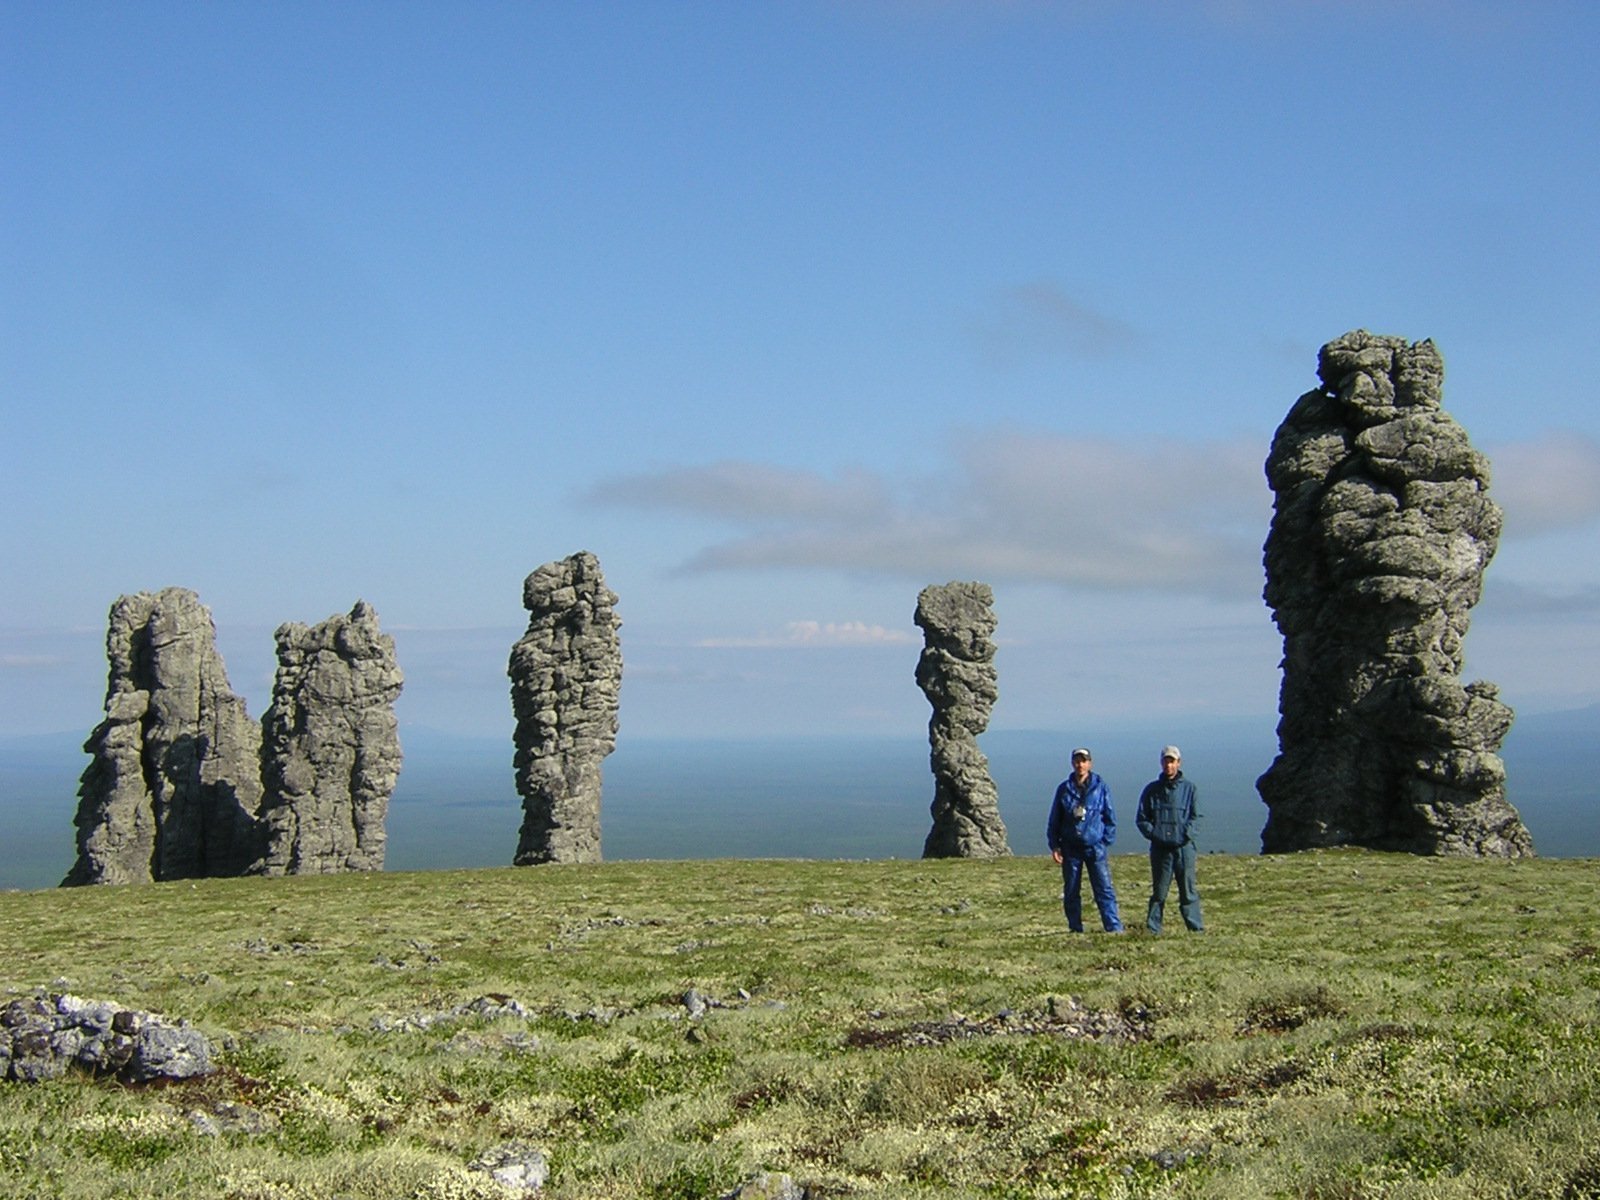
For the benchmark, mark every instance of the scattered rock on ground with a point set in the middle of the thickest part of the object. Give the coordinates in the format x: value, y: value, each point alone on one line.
x: 43, y: 1036
x: 1069, y: 1020
x: 767, y: 1185
x: 514, y: 1165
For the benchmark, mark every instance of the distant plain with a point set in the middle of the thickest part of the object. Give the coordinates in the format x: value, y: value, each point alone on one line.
x: 828, y: 798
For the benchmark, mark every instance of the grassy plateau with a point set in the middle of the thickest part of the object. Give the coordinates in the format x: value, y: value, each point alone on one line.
x: 1350, y: 1025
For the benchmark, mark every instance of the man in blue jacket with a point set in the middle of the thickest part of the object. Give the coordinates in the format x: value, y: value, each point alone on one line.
x: 1168, y: 809
x: 1080, y: 831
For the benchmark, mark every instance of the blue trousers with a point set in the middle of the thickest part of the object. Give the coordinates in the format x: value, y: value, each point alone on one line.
x: 1166, y: 864
x: 1098, y: 869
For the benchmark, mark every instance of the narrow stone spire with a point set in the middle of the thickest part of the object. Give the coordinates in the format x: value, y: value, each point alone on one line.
x: 566, y: 677
x: 956, y: 672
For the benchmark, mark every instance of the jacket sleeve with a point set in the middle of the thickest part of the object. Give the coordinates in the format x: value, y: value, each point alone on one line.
x: 1052, y: 829
x: 1194, y: 813
x: 1109, y: 819
x: 1142, y: 819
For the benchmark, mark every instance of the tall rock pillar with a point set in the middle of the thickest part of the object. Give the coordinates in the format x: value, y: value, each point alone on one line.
x: 566, y: 678
x: 956, y: 672
x: 174, y: 782
x: 1381, y: 531
x: 332, y: 746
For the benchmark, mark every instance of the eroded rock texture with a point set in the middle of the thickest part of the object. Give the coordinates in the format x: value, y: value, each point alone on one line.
x: 1381, y: 532
x: 331, y: 753
x: 957, y: 674
x: 566, y: 678
x: 174, y: 783
x: 44, y: 1036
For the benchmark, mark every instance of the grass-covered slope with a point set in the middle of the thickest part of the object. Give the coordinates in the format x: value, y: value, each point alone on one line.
x: 1350, y: 1025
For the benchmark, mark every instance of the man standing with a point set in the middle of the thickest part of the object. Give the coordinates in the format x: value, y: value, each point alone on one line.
x: 1168, y: 809
x: 1080, y: 831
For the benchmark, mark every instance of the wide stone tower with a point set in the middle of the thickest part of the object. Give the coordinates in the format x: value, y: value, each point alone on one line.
x: 174, y: 781
x: 332, y: 746
x: 1382, y: 528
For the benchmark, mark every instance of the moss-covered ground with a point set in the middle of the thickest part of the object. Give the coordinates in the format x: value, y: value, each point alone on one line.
x: 1350, y: 1025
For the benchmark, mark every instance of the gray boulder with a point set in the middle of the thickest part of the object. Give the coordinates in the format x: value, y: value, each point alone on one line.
x: 1381, y: 531
x: 515, y: 1166
x: 173, y: 786
x: 956, y: 672
x: 331, y: 753
x: 566, y: 679
x: 43, y: 1036
x: 767, y: 1185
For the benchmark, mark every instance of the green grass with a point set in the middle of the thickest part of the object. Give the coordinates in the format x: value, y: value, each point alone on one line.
x: 1351, y: 1025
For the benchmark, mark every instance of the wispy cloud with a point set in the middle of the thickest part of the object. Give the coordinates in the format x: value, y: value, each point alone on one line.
x: 1092, y: 513
x: 1541, y: 601
x: 1007, y: 506
x: 1039, y: 319
x: 813, y: 634
x: 747, y: 491
x: 1545, y: 485
x: 29, y: 662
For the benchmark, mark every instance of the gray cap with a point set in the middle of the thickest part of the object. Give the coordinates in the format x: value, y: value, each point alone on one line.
x: 1082, y: 752
x: 1172, y: 752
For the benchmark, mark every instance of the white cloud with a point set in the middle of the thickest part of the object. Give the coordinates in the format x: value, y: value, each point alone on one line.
x: 1043, y: 508
x: 806, y: 634
x: 1549, y: 484
x: 746, y: 492
x: 1540, y: 602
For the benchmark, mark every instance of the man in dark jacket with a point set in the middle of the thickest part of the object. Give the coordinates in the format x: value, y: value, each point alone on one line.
x: 1168, y: 809
x: 1080, y: 831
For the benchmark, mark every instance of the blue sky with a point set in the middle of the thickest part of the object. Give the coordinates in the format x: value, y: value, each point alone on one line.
x: 784, y: 311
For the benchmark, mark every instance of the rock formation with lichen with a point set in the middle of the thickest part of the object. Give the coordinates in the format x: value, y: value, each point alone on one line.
x: 331, y: 755
x: 174, y: 782
x: 566, y: 679
x: 956, y: 672
x: 1381, y: 531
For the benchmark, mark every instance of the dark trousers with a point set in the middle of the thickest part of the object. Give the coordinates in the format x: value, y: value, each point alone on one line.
x: 1098, y: 869
x: 1166, y: 864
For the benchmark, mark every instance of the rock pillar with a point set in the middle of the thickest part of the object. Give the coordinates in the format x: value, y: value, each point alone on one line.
x: 957, y: 674
x: 1381, y: 531
x: 174, y: 782
x: 332, y: 746
x: 566, y: 677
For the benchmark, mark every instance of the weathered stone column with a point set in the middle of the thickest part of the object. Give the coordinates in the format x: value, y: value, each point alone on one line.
x: 174, y: 783
x: 332, y: 747
x: 566, y: 677
x: 956, y: 672
x: 1381, y: 531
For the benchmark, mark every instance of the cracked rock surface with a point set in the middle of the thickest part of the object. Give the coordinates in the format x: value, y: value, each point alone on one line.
x: 331, y: 755
x: 957, y: 673
x: 566, y: 679
x: 174, y: 783
x: 1381, y: 532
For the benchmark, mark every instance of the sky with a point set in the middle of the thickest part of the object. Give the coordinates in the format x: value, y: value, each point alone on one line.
x: 784, y: 311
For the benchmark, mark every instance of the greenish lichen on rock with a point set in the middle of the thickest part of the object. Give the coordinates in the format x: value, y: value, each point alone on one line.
x: 566, y: 680
x: 956, y: 672
x: 331, y: 754
x: 1382, y: 529
x: 173, y: 785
